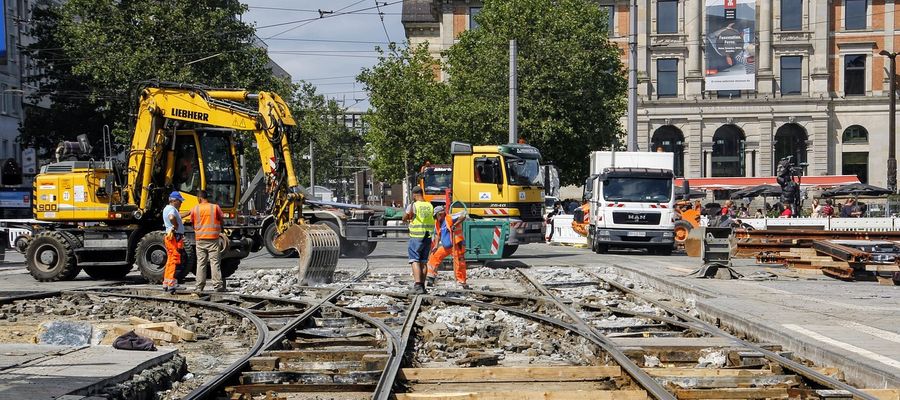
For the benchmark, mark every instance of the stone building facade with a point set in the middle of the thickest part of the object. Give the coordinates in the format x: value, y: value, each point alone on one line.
x: 821, y: 91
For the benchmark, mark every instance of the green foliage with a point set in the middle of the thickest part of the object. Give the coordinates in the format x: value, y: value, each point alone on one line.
x: 408, y: 125
x: 336, y: 146
x: 95, y: 53
x: 571, y: 81
x: 571, y: 89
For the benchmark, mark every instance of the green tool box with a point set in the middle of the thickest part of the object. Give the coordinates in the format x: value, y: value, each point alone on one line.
x: 485, y: 238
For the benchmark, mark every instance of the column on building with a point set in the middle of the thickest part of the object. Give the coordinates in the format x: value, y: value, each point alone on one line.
x: 693, y: 153
x: 766, y: 150
x: 817, y: 151
x: 693, y: 10
x: 765, y: 77
x: 819, y: 21
x: 643, y: 37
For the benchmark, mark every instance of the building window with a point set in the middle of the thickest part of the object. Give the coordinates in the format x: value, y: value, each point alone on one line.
x: 728, y: 152
x: 666, y: 77
x: 855, y: 74
x: 667, y: 16
x: 790, y: 140
x: 791, y: 75
x: 791, y: 15
x: 670, y: 139
x: 856, y: 163
x: 610, y: 20
x: 855, y: 14
x: 728, y: 94
x: 473, y: 11
x: 855, y: 134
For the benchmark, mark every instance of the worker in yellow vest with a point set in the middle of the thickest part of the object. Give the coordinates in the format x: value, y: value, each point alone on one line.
x: 207, y: 219
x: 420, y: 216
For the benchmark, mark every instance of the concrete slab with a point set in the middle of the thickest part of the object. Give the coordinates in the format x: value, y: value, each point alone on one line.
x: 851, y: 325
x: 19, y: 354
x: 82, y: 371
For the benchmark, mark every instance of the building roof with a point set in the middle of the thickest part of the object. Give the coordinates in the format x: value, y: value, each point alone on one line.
x: 420, y: 11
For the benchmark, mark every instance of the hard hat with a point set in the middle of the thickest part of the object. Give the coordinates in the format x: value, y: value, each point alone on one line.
x: 176, y: 195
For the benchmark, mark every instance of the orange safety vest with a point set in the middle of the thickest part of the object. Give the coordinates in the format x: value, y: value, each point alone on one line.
x: 456, y: 231
x: 207, y: 221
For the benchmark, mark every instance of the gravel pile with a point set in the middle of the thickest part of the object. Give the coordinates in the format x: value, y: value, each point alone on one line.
x: 561, y: 276
x: 492, y: 273
x: 451, y: 334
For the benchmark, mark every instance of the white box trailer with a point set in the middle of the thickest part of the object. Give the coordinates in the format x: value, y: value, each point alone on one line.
x: 632, y: 201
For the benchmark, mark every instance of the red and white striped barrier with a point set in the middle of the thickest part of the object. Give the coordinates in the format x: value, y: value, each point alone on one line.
x: 495, y: 242
x: 496, y: 211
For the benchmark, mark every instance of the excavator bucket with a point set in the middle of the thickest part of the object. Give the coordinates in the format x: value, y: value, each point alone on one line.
x: 319, y: 248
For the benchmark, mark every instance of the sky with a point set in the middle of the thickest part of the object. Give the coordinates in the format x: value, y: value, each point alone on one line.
x: 328, y: 52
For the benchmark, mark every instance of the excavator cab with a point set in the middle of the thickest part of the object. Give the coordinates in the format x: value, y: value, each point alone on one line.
x: 205, y: 159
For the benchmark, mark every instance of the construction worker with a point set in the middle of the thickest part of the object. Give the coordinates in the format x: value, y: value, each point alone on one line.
x: 207, y: 219
x: 449, y: 240
x: 420, y: 216
x: 174, y: 242
x: 582, y: 218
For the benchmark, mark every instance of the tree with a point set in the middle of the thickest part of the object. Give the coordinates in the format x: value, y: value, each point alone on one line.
x: 94, y: 54
x: 336, y: 146
x: 571, y: 81
x: 408, y: 122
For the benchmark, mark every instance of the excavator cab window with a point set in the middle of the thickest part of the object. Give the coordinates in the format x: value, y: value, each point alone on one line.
x: 187, y: 173
x: 219, y: 168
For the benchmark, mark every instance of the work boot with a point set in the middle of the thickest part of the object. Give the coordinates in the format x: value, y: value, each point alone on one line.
x: 429, y: 281
x: 464, y: 286
x: 418, y: 288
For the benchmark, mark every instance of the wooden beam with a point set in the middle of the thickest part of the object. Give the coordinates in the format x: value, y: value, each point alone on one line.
x: 706, y: 372
x: 523, y: 395
x: 258, y: 388
x: 510, y: 374
x: 732, y: 393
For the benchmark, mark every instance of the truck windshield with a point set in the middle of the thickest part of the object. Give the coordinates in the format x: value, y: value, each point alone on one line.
x: 630, y: 189
x: 218, y: 163
x: 437, y: 180
x: 524, y: 172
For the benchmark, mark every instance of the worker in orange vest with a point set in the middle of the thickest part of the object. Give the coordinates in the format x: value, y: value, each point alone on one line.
x: 580, y: 226
x: 207, y: 219
x: 448, y: 240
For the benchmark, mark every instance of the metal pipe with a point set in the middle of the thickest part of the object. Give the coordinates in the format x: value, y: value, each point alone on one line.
x: 632, y: 78
x: 513, y: 93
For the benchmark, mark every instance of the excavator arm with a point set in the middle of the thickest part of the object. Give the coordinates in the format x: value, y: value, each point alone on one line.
x: 269, y: 119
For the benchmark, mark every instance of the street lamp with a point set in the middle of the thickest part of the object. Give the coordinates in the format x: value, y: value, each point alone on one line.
x: 892, y: 124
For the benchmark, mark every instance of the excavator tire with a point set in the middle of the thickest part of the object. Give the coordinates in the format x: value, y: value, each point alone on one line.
x: 51, y: 257
x: 112, y: 273
x: 228, y: 266
x: 150, y: 256
x: 509, y: 250
x: 319, y: 248
x: 268, y: 239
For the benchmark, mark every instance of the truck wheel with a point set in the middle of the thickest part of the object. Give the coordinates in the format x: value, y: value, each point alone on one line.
x: 601, y: 249
x: 150, y: 256
x: 662, y: 251
x: 269, y: 236
x: 50, y: 257
x: 113, y: 273
x: 509, y: 250
x: 229, y: 266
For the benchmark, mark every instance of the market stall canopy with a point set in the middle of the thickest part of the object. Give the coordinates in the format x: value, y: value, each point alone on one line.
x: 694, y: 194
x: 732, y: 183
x: 856, y: 189
x: 757, y: 191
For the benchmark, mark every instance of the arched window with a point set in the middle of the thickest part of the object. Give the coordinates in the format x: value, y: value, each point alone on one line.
x: 790, y: 140
x: 670, y: 139
x: 728, y: 152
x: 855, y: 134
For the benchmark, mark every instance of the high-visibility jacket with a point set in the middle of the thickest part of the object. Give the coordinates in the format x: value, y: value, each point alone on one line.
x: 456, y: 232
x: 423, y: 221
x: 207, y: 219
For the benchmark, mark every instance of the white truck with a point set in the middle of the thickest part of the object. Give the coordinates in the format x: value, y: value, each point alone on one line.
x: 632, y: 200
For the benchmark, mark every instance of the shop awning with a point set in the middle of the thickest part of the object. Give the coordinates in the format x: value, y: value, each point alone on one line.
x: 741, y: 182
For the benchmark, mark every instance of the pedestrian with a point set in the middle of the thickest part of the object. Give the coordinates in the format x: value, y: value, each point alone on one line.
x: 828, y: 209
x: 449, y: 241
x: 728, y: 209
x: 759, y: 213
x: 786, y: 212
x: 848, y: 208
x: 174, y: 242
x: 420, y: 216
x: 816, y: 209
x: 207, y: 219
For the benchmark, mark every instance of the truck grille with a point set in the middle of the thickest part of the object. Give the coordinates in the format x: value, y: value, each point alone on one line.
x: 636, y: 218
x: 531, y: 211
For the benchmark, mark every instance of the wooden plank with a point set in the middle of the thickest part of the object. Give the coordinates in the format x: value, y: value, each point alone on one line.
x: 180, y: 332
x: 725, y: 382
x: 675, y: 342
x: 732, y: 393
x: 138, y: 321
x: 322, y: 355
x: 258, y: 388
x: 705, y: 372
x: 510, y: 374
x: 156, y: 335
x: 882, y: 267
x: 527, y: 395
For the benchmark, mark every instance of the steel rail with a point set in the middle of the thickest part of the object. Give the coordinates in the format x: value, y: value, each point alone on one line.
x: 203, y: 391
x: 385, y: 387
x: 637, y: 373
x: 699, y: 324
x: 30, y: 296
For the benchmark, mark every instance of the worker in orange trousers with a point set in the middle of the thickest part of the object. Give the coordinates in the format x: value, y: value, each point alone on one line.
x: 174, y: 242
x: 448, y: 241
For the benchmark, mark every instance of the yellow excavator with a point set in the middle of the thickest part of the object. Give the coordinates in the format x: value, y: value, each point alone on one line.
x: 105, y: 215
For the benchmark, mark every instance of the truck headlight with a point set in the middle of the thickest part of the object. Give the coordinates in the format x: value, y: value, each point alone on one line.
x: 603, y: 233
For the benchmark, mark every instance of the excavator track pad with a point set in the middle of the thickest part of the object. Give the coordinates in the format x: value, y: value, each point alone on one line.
x: 319, y: 248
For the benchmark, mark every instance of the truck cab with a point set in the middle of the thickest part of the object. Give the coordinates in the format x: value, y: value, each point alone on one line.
x: 631, y: 202
x: 502, y: 182
x: 434, y: 181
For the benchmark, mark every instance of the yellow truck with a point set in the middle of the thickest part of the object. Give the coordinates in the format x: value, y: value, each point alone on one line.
x: 501, y: 182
